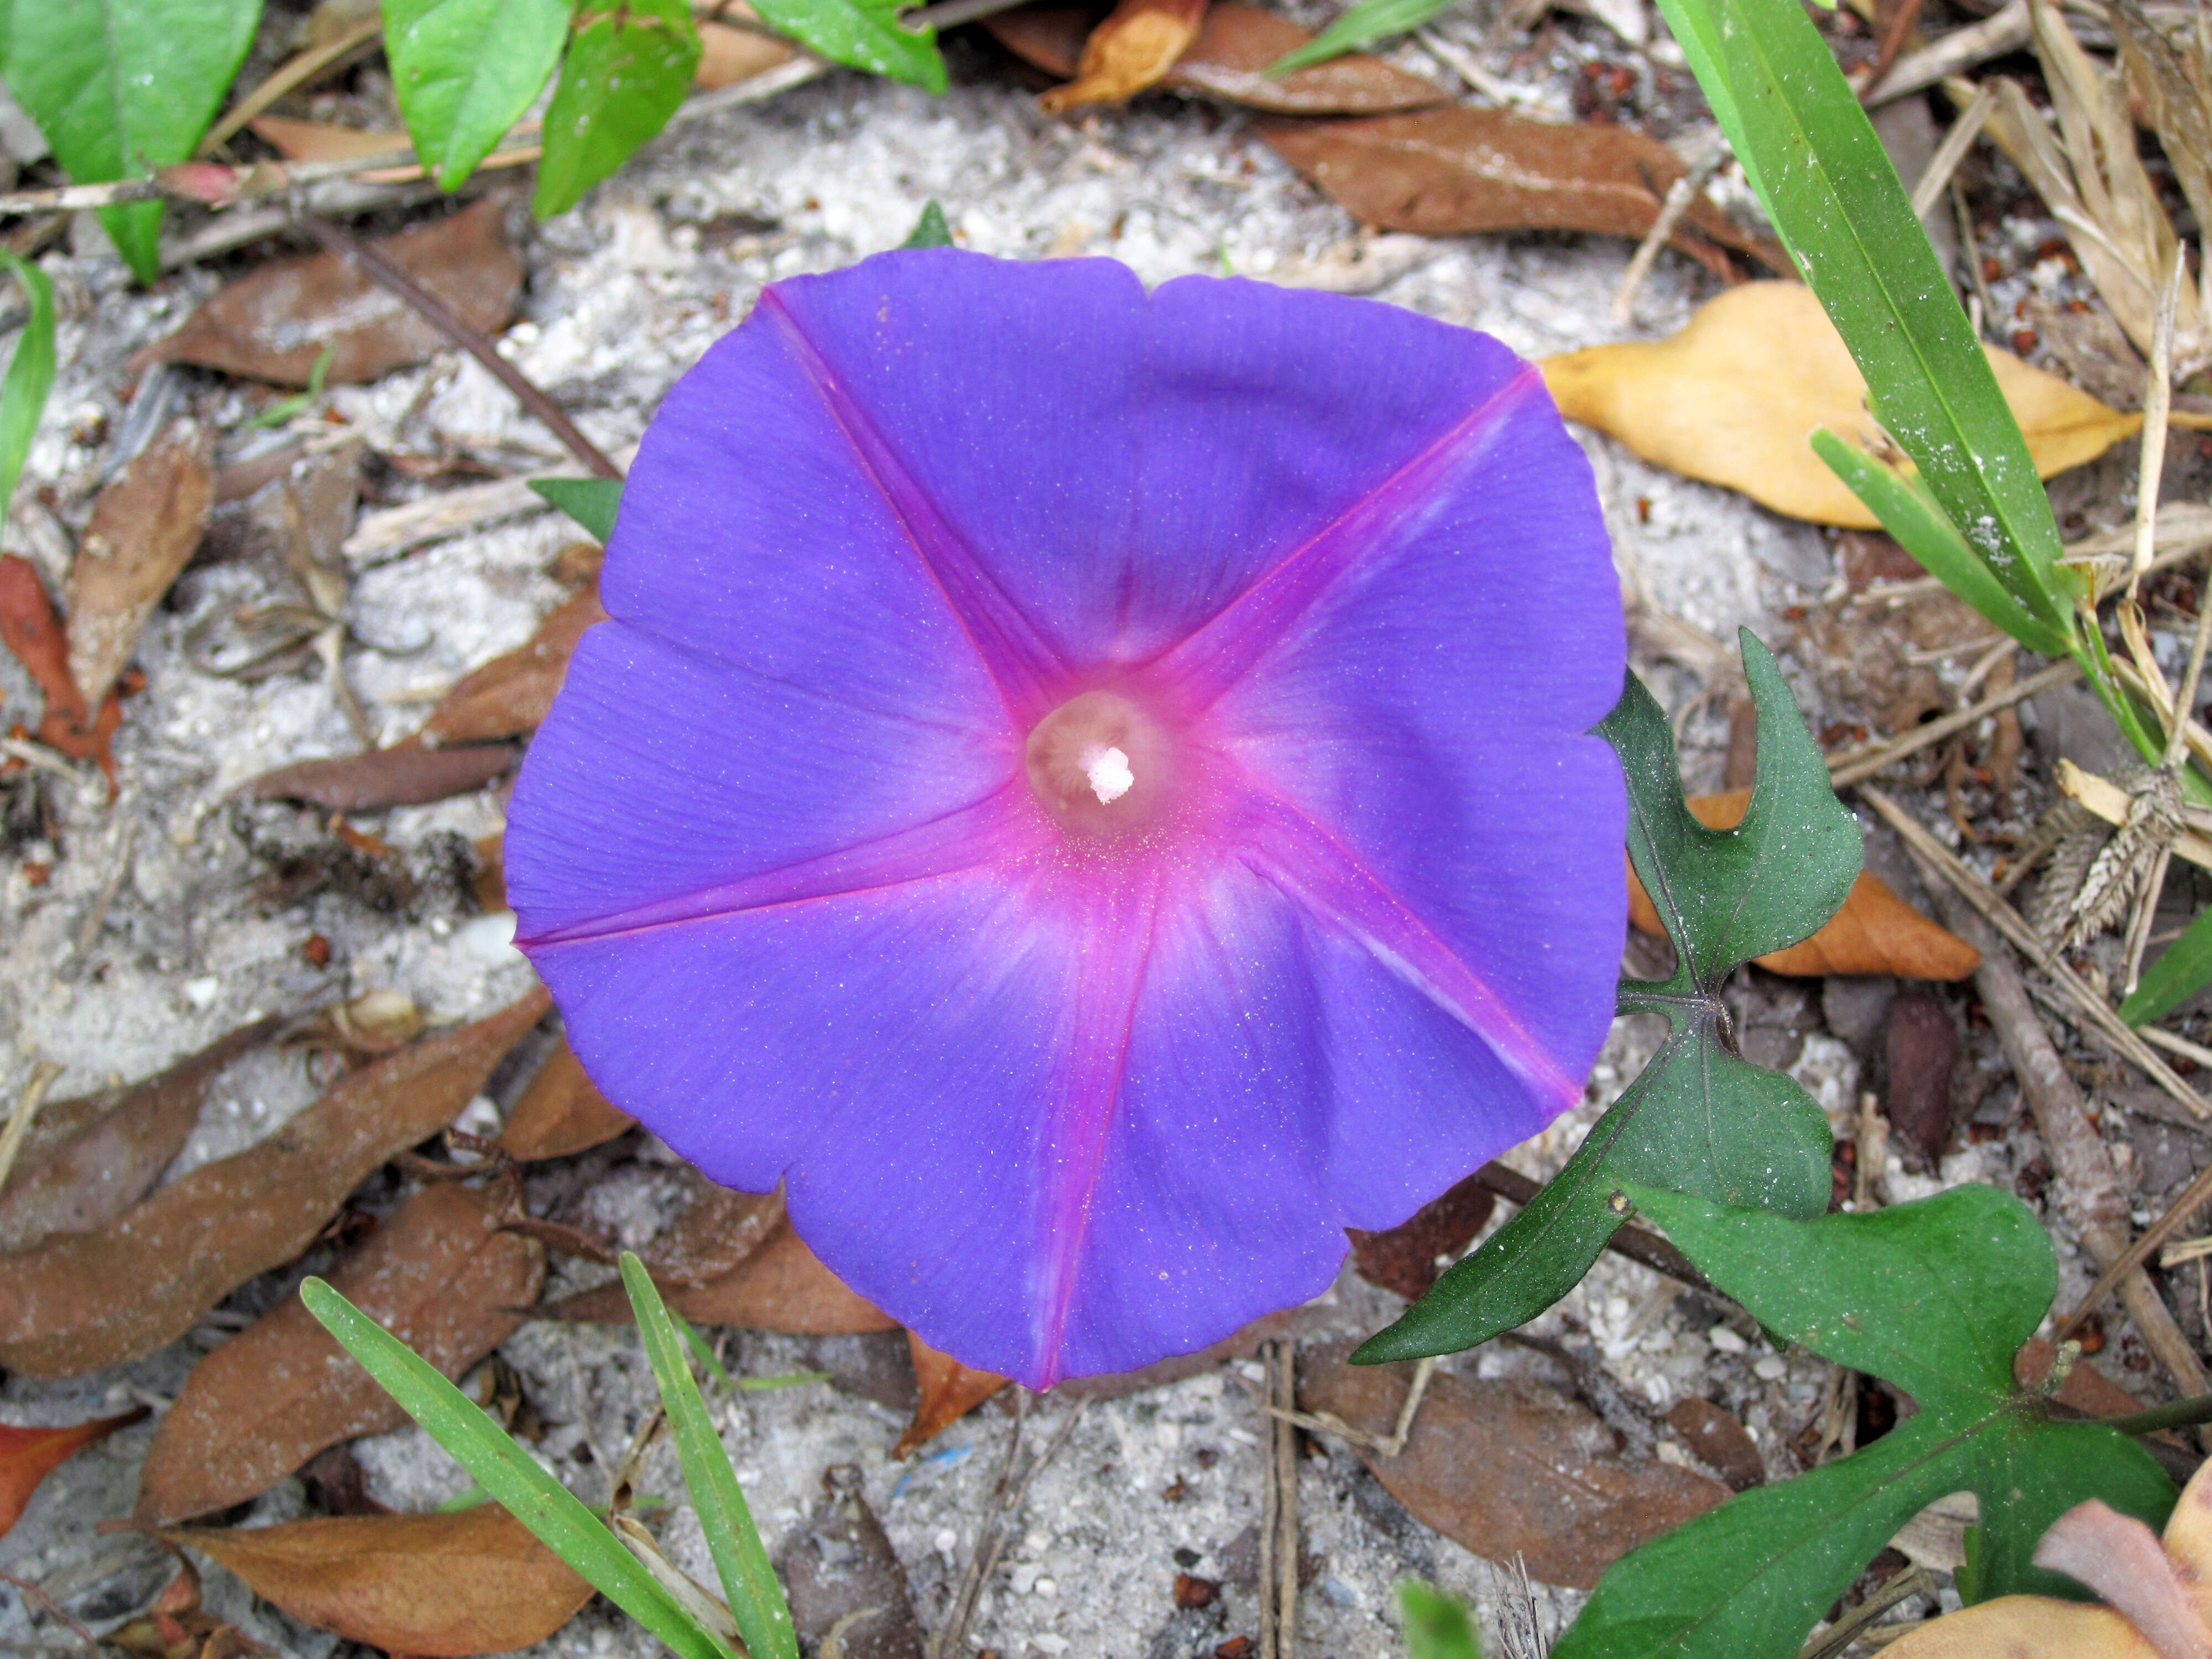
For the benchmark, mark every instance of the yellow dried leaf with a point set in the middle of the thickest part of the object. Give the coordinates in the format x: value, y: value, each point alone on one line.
x: 1136, y: 44
x: 1734, y: 397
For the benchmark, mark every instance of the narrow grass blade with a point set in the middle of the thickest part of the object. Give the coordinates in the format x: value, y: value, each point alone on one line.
x: 30, y: 375
x: 756, y: 1599
x: 2179, y: 974
x: 508, y: 1473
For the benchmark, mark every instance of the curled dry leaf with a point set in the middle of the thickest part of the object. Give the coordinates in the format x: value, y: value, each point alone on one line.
x: 1132, y: 48
x: 81, y: 1301
x: 560, y: 1112
x: 950, y: 1390
x: 1735, y: 398
x: 1404, y: 1259
x: 276, y: 324
x: 509, y: 695
x: 782, y: 1287
x: 405, y: 775
x: 144, y: 529
x: 440, y: 1276
x: 1235, y: 45
x: 1874, y: 933
x: 32, y: 628
x: 113, y: 1152
x: 1452, y: 172
x: 1505, y: 1467
x: 474, y: 1582
x: 28, y: 1455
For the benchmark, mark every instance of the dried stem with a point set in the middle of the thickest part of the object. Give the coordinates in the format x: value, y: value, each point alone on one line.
x: 2158, y: 408
x: 1951, y: 151
x: 1278, y: 1509
x: 288, y: 76
x: 1892, y: 43
x: 2193, y: 1196
x: 26, y: 1109
x: 1859, y: 763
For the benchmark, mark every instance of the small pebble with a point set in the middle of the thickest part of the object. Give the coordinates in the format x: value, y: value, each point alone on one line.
x: 1724, y: 1338
x: 1770, y: 1368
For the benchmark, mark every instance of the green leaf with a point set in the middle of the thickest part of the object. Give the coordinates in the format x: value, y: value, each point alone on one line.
x: 1935, y: 1296
x: 755, y: 1600
x: 2179, y: 974
x: 508, y: 1473
x: 1698, y: 1119
x: 122, y: 87
x: 1832, y: 192
x: 1437, y: 1625
x: 863, y: 34
x: 930, y: 230
x: 465, y: 70
x: 592, y: 502
x: 627, y: 70
x: 1368, y: 21
x: 30, y: 375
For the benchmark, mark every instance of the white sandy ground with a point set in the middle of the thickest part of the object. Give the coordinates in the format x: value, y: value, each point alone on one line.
x: 622, y: 296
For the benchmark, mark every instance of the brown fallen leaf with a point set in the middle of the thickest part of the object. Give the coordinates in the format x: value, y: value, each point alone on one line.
x: 781, y: 1287
x: 319, y: 141
x: 1720, y: 1440
x: 1457, y: 171
x: 1229, y: 60
x: 562, y: 1112
x: 32, y: 628
x: 1506, y: 1466
x: 2085, y: 1388
x: 510, y: 694
x: 950, y: 1390
x: 469, y: 1582
x: 113, y: 1156
x: 81, y: 1301
x: 1133, y: 47
x: 729, y: 55
x: 489, y: 883
x: 405, y: 775
x: 440, y: 1276
x: 1874, y: 933
x: 1922, y: 1047
x: 1404, y: 1259
x: 1734, y: 398
x: 29, y: 1456
x: 275, y: 324
x: 847, y: 1587
x: 143, y: 528
x: 719, y: 1231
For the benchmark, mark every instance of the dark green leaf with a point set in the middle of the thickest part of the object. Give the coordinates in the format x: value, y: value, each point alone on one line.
x: 465, y: 71
x: 122, y: 87
x: 1437, y: 1625
x: 30, y: 375
x: 865, y: 34
x: 2179, y: 974
x: 930, y: 230
x: 1369, y: 20
x: 626, y: 71
x: 592, y: 502
x: 2030, y: 1471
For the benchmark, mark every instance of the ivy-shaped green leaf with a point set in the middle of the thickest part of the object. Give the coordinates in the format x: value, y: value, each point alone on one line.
x: 1699, y: 1119
x: 863, y: 34
x: 1935, y: 1297
x: 122, y: 87
x: 627, y: 68
x: 464, y: 70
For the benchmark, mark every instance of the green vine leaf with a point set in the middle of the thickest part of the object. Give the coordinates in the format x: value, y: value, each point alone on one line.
x: 628, y: 69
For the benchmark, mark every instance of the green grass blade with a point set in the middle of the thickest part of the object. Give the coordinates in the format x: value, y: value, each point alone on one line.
x: 30, y: 375
x: 508, y: 1473
x: 1371, y: 20
x: 2179, y: 974
x: 756, y: 1599
x: 1437, y: 1624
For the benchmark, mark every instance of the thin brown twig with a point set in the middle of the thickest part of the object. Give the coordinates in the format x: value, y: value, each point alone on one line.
x: 1858, y: 764
x: 32, y: 1592
x: 991, y: 1537
x: 1279, y: 1507
x: 26, y: 1109
x: 2193, y: 1197
x: 434, y: 311
x: 287, y: 77
x: 1893, y: 44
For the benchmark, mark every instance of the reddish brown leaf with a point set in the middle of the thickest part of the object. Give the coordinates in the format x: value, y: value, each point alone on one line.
x: 440, y: 1276
x: 1136, y: 44
x: 1923, y: 1046
x: 1452, y: 172
x: 2086, y: 1388
x: 32, y: 628
x: 1404, y: 1259
x: 509, y: 695
x: 143, y: 528
x: 81, y: 1301
x: 1722, y: 1443
x: 719, y: 1231
x: 782, y: 1287
x: 274, y: 324
x: 490, y: 883
x: 1874, y: 933
x: 405, y: 775
x: 29, y: 1456
x: 86, y: 1178
x: 560, y: 1112
x: 1506, y: 1466
x: 949, y: 1392
x: 318, y: 141
x: 469, y: 1582
x: 1238, y: 1344
x: 1235, y: 45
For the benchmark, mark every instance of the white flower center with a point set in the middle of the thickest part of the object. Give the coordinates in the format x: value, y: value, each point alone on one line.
x: 1107, y: 770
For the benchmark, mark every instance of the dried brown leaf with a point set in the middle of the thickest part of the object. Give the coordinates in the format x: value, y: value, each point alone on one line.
x: 144, y: 529
x: 845, y: 1580
x: 783, y: 1287
x: 440, y: 1276
x: 719, y: 1231
x: 1132, y: 48
x: 274, y: 324
x: 1720, y: 1441
x: 82, y: 1301
x: 1238, y: 1344
x: 1404, y: 1259
x: 1505, y: 1467
x: 28, y: 1455
x: 511, y: 694
x: 950, y: 1390
x: 319, y: 141
x: 116, y: 1147
x: 1874, y: 933
x: 728, y: 55
x: 470, y: 1582
x: 405, y: 775
x: 1236, y: 46
x: 1456, y: 171
x: 1922, y: 1047
x: 1734, y: 399
x: 32, y: 628
x: 560, y: 1112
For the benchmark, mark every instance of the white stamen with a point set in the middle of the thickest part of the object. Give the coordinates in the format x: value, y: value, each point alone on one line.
x: 1108, y: 772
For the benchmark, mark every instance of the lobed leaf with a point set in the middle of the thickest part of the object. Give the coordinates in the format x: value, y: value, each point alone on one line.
x: 30, y: 374
x: 465, y: 70
x: 627, y: 70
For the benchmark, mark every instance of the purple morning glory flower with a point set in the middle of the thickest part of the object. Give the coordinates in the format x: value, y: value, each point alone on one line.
x: 1090, y: 788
